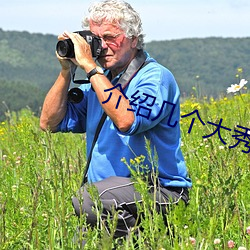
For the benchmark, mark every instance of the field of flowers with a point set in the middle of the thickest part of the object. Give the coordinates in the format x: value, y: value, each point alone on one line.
x: 40, y: 172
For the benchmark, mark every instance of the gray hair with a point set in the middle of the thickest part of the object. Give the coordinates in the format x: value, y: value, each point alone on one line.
x: 120, y: 13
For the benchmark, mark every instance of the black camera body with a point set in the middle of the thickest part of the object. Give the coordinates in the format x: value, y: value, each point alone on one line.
x: 65, y: 48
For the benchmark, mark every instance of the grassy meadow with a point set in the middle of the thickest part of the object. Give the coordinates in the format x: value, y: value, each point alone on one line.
x: 40, y: 172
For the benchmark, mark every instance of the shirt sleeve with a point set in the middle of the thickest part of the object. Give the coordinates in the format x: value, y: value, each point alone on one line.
x: 154, y: 97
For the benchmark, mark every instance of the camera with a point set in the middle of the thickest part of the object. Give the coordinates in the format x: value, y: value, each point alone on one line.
x: 65, y: 48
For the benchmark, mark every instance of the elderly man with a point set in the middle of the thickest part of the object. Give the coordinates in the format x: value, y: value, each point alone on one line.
x: 140, y: 99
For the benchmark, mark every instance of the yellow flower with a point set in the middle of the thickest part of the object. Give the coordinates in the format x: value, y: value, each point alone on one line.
x: 195, y: 105
x: 132, y: 162
x: 240, y: 70
x: 138, y: 160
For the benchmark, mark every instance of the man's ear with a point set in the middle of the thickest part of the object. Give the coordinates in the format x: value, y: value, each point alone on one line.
x: 134, y: 42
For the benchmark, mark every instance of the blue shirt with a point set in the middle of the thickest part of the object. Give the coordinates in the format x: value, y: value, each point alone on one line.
x: 155, y: 97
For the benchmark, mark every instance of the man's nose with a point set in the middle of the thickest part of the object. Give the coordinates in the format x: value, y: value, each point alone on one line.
x: 104, y: 44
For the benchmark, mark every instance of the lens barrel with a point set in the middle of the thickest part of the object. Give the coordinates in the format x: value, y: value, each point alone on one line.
x: 75, y: 95
x: 65, y: 48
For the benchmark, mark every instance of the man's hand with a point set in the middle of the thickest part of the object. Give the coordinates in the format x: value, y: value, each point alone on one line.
x: 83, y: 54
x: 66, y: 63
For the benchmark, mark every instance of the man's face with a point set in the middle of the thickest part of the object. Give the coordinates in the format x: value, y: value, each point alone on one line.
x: 118, y: 50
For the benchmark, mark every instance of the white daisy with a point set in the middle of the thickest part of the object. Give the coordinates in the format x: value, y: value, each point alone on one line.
x: 237, y: 87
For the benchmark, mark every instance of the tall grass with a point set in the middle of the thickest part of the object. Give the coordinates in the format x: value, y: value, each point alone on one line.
x: 40, y: 172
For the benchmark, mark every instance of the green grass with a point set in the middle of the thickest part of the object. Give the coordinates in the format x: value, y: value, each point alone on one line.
x: 40, y: 172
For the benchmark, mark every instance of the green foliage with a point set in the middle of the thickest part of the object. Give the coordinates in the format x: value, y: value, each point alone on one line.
x: 14, y: 95
x: 211, y: 59
x: 28, y: 68
x: 36, y: 184
x: 40, y: 172
x: 28, y: 58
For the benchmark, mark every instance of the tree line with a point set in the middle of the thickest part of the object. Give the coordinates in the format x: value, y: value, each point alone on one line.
x: 202, y: 67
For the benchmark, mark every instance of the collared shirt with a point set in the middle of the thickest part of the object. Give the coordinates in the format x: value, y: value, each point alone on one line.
x: 154, y: 97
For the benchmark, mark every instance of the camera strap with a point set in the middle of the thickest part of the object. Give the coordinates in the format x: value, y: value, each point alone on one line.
x: 136, y: 64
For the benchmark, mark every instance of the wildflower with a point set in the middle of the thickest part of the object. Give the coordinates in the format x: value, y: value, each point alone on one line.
x: 237, y: 87
x: 45, y: 216
x: 221, y: 147
x: 242, y: 248
x: 195, y: 106
x: 248, y: 230
x: 230, y: 244
x: 138, y: 160
x: 198, y: 182
x: 240, y: 70
x: 192, y: 240
x: 22, y: 210
x: 132, y: 162
x: 216, y: 241
x: 14, y: 188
